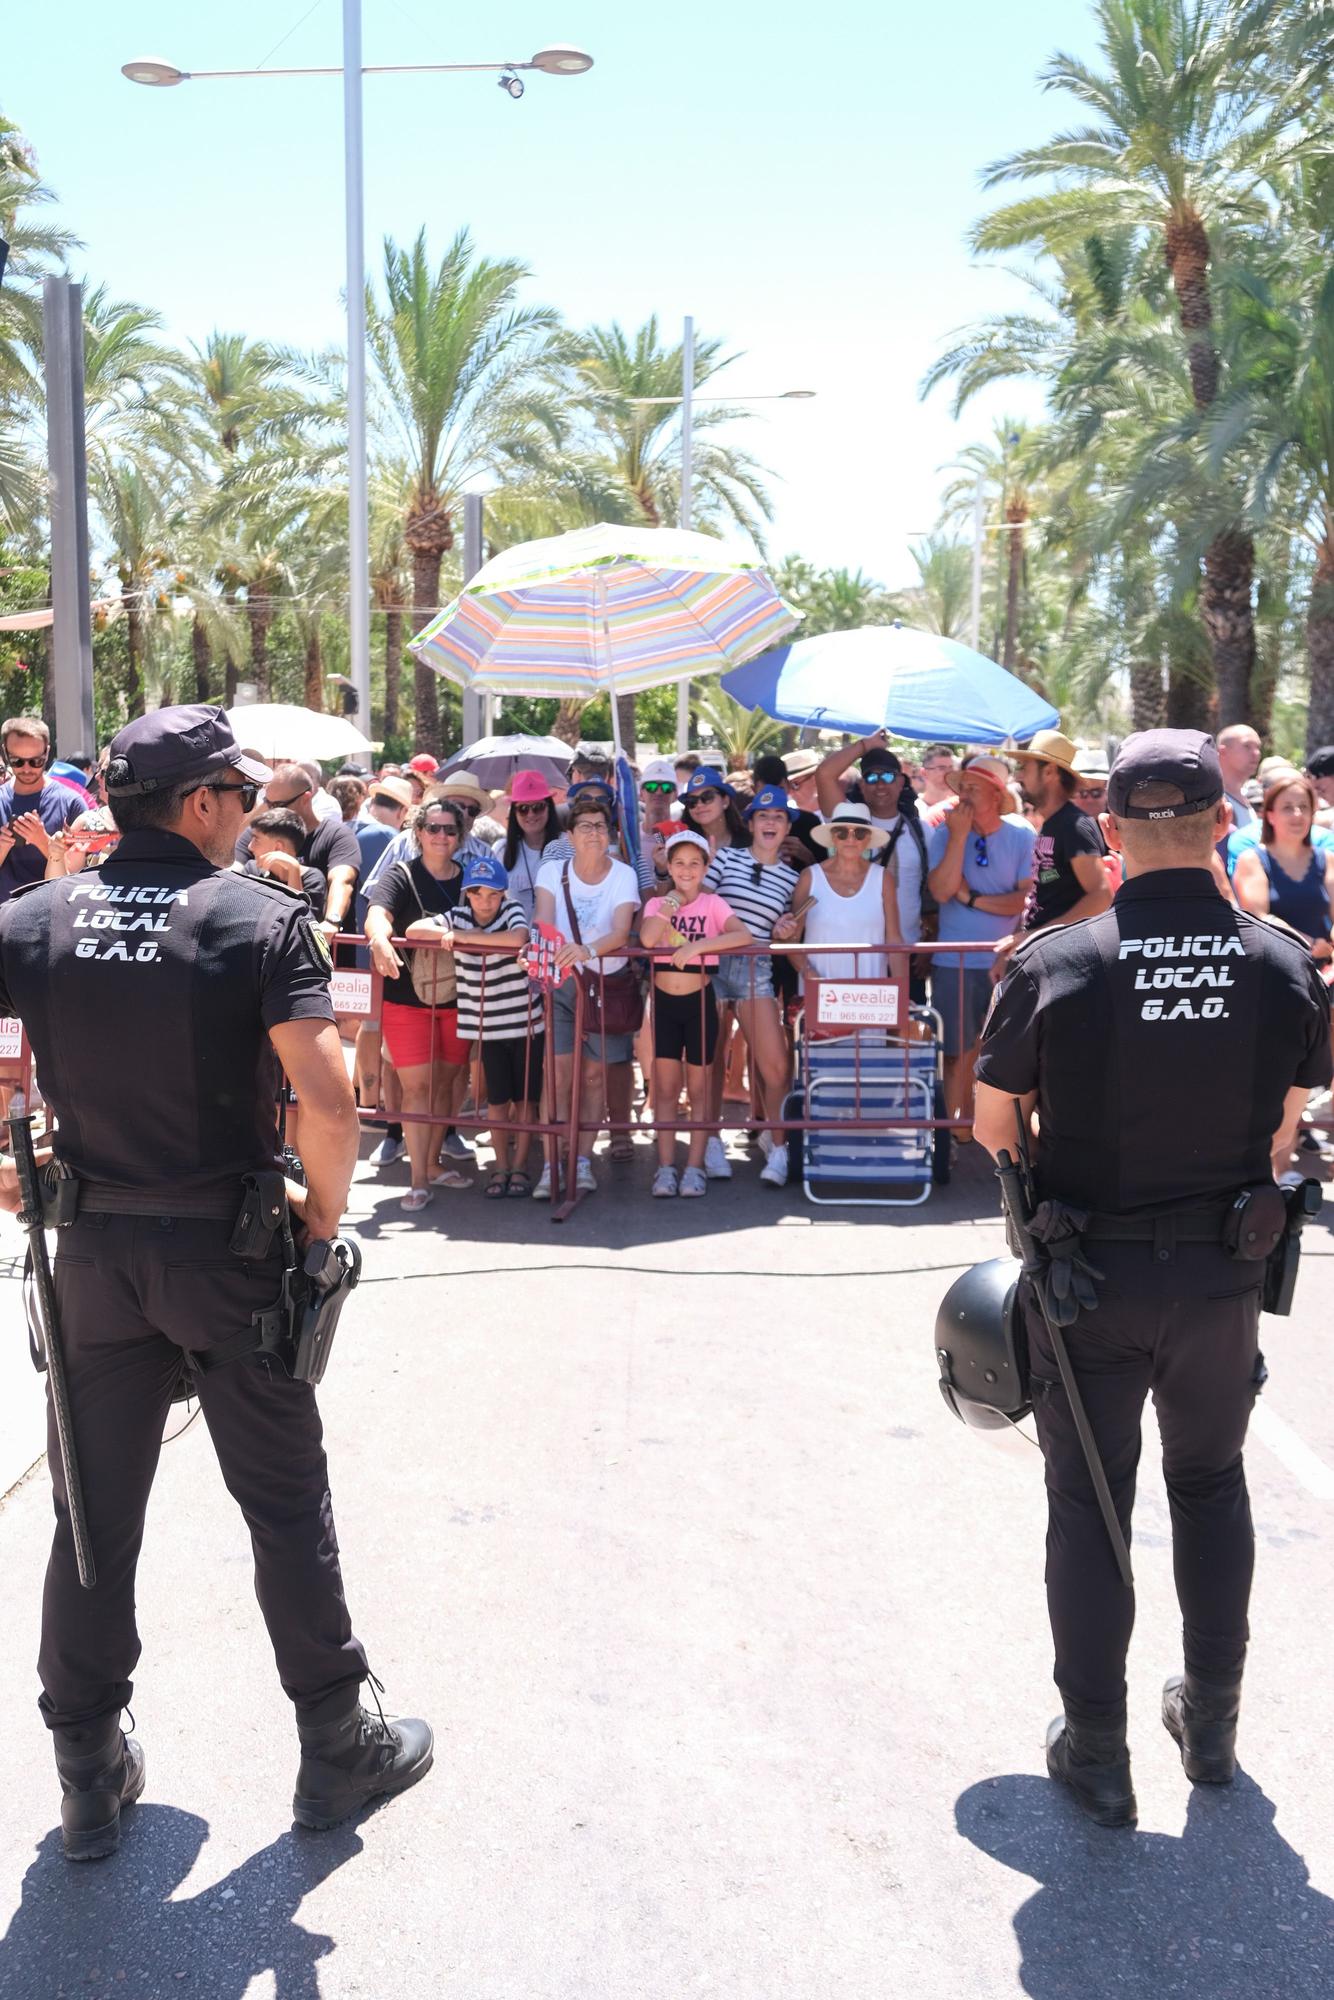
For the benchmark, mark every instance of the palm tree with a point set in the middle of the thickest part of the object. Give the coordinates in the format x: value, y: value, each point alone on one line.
x: 1005, y: 470
x: 740, y: 733
x: 941, y: 599
x: 457, y: 360
x: 140, y: 516
x: 1186, y: 140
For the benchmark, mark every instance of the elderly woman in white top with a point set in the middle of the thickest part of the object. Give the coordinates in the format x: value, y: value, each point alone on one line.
x: 848, y: 900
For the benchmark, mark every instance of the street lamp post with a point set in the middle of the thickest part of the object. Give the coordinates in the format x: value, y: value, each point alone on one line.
x: 688, y: 399
x: 555, y: 61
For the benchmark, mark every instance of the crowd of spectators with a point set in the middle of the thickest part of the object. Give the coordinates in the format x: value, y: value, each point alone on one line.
x: 686, y: 959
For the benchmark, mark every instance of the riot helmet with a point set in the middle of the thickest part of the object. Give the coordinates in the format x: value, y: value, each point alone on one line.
x: 981, y: 1348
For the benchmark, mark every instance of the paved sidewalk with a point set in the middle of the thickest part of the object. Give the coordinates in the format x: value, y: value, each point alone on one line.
x: 733, y: 1640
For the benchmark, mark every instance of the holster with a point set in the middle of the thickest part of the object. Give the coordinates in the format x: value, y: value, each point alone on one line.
x: 1280, y: 1281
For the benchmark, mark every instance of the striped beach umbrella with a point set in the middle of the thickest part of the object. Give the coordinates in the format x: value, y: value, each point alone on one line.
x: 605, y: 610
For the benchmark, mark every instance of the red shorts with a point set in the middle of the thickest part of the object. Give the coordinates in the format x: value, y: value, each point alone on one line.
x: 414, y: 1036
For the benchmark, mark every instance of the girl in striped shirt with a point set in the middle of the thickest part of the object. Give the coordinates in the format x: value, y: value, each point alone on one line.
x: 498, y: 1005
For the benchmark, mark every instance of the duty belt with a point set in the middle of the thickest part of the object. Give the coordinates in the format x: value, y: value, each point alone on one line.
x: 113, y: 1198
x: 1183, y: 1225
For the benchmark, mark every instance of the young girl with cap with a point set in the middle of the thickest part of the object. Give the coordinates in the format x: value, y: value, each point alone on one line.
x: 698, y: 924
x: 498, y: 1007
x: 759, y: 885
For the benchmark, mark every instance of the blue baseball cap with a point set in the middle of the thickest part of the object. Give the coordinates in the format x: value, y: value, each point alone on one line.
x: 599, y: 788
x: 484, y: 871
x: 770, y: 798
x: 707, y: 779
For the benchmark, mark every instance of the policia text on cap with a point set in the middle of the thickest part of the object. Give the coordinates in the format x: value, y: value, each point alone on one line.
x: 1163, y: 1046
x: 160, y: 995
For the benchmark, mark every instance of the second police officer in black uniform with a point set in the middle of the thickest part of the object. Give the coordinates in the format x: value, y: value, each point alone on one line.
x: 160, y: 996
x: 1164, y: 1045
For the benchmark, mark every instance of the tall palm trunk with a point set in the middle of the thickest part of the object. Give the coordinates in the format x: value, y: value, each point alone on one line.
x: 568, y: 725
x: 425, y: 595
x: 1229, y: 619
x: 1320, y: 644
x: 314, y: 682
x: 1148, y: 704
x: 1016, y: 514
x: 1229, y: 563
x: 134, y: 641
x: 202, y: 655
x: 393, y: 665
x: 260, y: 611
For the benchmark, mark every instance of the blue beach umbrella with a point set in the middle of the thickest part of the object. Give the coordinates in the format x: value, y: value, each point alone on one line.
x: 891, y: 677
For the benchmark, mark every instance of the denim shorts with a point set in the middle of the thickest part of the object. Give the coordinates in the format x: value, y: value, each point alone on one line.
x: 599, y: 1048
x: 732, y: 980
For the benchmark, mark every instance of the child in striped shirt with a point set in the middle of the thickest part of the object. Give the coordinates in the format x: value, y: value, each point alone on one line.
x: 498, y: 1005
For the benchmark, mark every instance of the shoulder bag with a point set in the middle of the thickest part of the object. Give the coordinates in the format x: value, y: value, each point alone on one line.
x: 430, y: 970
x: 613, y: 1001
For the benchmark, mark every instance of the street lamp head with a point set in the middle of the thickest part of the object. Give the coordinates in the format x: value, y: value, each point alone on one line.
x: 151, y: 69
x: 511, y: 83
x: 560, y: 61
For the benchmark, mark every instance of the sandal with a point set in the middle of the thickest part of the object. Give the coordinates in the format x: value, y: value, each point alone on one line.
x: 498, y: 1186
x: 451, y: 1178
x: 414, y: 1199
x: 520, y: 1184
x: 622, y: 1148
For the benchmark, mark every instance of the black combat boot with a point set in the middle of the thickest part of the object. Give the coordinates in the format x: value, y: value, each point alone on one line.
x: 356, y: 1757
x: 1092, y: 1759
x: 1201, y: 1717
x: 101, y: 1769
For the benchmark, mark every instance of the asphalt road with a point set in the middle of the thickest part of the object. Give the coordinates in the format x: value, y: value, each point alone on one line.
x: 733, y: 1641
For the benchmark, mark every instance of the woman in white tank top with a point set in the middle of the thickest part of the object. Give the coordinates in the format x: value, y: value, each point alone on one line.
x: 848, y: 900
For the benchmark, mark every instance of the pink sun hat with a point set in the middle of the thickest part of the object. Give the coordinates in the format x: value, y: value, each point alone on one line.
x: 528, y: 787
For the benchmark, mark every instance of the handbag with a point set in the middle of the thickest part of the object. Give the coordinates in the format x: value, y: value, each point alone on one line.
x: 430, y: 970
x: 614, y: 1002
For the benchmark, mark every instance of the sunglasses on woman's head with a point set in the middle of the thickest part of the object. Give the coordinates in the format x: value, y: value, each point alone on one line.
x: 663, y: 785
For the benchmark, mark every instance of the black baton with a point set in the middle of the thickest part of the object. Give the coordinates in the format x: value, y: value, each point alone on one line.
x: 40, y: 1301
x: 1012, y: 1194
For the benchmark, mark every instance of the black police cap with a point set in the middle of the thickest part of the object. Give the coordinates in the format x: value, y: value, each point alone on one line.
x: 1185, y: 758
x: 170, y: 746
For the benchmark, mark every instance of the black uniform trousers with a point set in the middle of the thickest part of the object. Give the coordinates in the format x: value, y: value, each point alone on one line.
x: 132, y: 1292
x: 1182, y: 1326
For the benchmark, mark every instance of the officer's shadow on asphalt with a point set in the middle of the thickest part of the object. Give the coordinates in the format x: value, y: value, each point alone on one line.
x: 112, y: 1927
x: 1225, y: 1912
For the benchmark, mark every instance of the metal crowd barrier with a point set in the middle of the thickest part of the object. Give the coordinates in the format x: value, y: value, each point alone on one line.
x: 874, y: 1014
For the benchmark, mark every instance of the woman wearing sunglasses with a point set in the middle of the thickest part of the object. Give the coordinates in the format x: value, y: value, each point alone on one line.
x: 412, y: 900
x: 981, y: 873
x: 708, y: 806
x: 532, y: 824
x: 844, y: 900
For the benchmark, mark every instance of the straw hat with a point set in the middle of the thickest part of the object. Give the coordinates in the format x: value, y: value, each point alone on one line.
x: 462, y: 785
x: 849, y: 814
x: 1051, y: 747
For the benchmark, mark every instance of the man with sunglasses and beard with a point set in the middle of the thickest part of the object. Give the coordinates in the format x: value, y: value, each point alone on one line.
x: 891, y: 802
x: 32, y: 806
x: 164, y: 997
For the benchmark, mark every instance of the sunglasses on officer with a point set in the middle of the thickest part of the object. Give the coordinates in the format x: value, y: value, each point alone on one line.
x: 247, y: 791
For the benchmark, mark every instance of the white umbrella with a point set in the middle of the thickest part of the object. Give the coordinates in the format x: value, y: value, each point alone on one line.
x: 283, y: 733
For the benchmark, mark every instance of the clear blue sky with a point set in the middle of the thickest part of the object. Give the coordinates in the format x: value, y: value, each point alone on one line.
x: 799, y: 178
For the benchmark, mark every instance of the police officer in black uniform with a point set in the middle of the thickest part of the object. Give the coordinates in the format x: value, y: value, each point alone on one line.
x: 160, y: 996
x: 1164, y: 1045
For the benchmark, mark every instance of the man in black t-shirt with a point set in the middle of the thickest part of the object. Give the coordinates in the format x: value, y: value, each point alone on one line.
x: 1070, y: 879
x: 330, y: 844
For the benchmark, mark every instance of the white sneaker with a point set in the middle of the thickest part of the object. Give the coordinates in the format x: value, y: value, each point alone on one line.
x: 766, y: 1143
x: 666, y: 1181
x: 542, y: 1192
x: 694, y: 1181
x: 717, y: 1166
x: 584, y: 1180
x: 775, y: 1172
x: 387, y: 1152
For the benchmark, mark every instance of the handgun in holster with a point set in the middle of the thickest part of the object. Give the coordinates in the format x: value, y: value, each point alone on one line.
x: 1302, y: 1202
